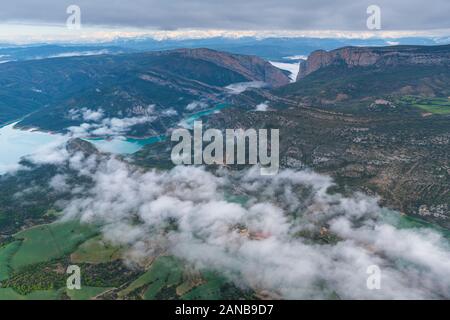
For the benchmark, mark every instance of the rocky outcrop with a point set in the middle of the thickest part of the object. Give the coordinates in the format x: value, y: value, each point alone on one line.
x: 377, y: 56
x: 251, y: 67
x: 76, y: 145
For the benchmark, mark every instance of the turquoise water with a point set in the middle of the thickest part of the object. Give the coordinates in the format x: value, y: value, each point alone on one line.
x: 407, y: 222
x: 189, y: 121
x: 15, y: 144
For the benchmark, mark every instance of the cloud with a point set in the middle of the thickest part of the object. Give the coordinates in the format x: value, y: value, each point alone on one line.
x: 234, y: 14
x: 107, y: 126
x: 119, y: 126
x: 169, y: 112
x: 293, y: 68
x: 263, y: 231
x: 393, y: 43
x: 297, y: 57
x: 240, y: 87
x: 86, y: 114
x: 90, y: 115
x: 10, y: 168
x: 59, y: 183
x: 25, y: 33
x: 195, y: 105
x: 51, y: 153
x: 79, y: 53
x: 262, y: 107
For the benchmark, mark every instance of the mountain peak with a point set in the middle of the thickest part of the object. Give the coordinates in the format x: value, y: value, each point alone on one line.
x: 375, y: 56
x: 252, y: 67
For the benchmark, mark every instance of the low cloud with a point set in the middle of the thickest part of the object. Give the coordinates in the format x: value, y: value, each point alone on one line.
x: 292, y: 68
x: 240, y: 87
x: 169, y: 112
x: 196, y: 105
x: 79, y: 53
x: 90, y: 115
x: 262, y: 107
x: 282, y: 234
x: 59, y: 183
x: 109, y: 126
x: 86, y: 114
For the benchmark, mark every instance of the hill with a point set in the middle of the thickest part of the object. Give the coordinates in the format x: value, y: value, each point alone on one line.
x: 376, y: 119
x: 123, y: 85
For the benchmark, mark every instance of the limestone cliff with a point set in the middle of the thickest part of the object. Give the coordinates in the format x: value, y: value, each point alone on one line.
x: 376, y: 56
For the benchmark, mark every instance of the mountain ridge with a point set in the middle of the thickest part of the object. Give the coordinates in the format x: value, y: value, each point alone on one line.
x: 376, y: 56
x: 119, y: 84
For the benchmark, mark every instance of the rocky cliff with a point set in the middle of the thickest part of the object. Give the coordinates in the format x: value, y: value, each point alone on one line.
x: 377, y: 56
x: 251, y: 67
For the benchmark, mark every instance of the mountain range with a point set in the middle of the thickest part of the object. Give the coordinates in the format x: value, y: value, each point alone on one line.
x: 376, y: 119
x: 124, y: 85
x: 364, y: 177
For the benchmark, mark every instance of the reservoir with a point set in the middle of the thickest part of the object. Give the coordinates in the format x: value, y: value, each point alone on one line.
x: 16, y: 143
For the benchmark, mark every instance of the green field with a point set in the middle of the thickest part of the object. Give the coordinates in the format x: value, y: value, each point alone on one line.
x: 10, y: 294
x: 85, y: 293
x: 431, y: 105
x: 47, y: 242
x: 211, y: 290
x: 164, y: 272
x: 32, y: 267
x: 6, y: 254
x: 96, y: 250
x: 408, y: 222
x: 165, y: 280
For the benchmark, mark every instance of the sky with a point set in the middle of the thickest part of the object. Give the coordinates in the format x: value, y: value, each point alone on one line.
x: 235, y: 14
x: 110, y: 18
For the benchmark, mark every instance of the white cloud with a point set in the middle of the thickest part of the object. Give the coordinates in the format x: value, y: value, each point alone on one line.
x: 195, y: 105
x: 240, y: 87
x: 259, y: 241
x: 297, y: 57
x: 20, y: 33
x: 293, y: 68
x: 393, y: 43
x: 51, y: 153
x: 262, y: 107
x: 91, y: 115
x: 109, y: 126
x: 86, y: 114
x: 169, y: 112
x: 10, y: 168
x: 58, y: 183
x: 79, y: 53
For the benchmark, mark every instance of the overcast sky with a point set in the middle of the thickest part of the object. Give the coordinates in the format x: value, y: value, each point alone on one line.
x: 235, y: 14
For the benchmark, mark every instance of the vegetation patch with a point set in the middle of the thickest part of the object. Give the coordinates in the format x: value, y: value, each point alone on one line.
x: 6, y: 253
x: 164, y: 271
x: 112, y: 274
x: 50, y: 241
x: 85, y: 293
x: 217, y: 287
x: 10, y: 294
x: 96, y: 250
x: 431, y: 105
x: 43, y: 276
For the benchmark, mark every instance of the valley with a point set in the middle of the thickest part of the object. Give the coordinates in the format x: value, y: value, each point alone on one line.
x: 364, y: 177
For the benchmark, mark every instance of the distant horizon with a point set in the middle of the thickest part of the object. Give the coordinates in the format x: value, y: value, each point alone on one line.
x: 38, y: 33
